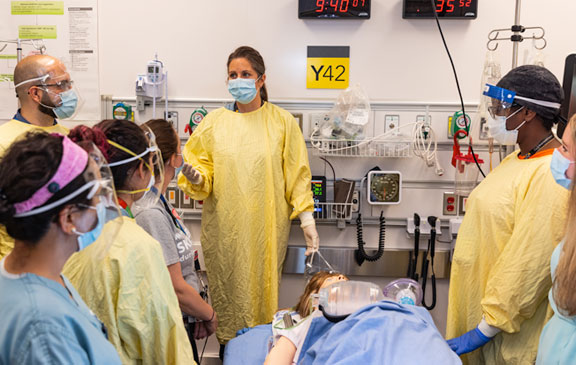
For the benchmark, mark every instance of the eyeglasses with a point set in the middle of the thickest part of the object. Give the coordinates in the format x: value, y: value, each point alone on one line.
x: 62, y: 85
x: 500, y: 109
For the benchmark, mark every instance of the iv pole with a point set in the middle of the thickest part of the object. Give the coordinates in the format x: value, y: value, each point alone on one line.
x: 516, y: 37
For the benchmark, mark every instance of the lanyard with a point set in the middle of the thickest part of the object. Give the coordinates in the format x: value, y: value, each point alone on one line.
x: 539, y: 146
x: 126, y: 208
x: 174, y: 217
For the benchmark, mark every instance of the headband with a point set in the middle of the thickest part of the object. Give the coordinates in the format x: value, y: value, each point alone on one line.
x: 73, y: 163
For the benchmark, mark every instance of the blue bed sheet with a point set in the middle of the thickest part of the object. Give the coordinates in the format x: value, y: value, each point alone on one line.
x: 381, y: 333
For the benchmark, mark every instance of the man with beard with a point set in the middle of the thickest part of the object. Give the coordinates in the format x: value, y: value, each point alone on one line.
x: 45, y: 92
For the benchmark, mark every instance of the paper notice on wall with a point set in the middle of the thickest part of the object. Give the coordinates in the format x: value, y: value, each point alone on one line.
x: 68, y: 30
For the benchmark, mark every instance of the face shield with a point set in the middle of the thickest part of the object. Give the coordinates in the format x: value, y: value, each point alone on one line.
x: 498, y: 100
x: 343, y: 298
x: 146, y: 197
x: 87, y: 161
x: 62, y: 96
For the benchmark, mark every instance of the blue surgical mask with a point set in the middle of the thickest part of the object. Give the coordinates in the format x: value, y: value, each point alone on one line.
x: 242, y: 90
x: 559, y: 165
x: 67, y: 108
x: 86, y: 239
x: 179, y: 168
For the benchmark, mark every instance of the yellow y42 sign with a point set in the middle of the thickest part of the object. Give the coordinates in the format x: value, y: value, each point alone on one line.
x: 328, y: 67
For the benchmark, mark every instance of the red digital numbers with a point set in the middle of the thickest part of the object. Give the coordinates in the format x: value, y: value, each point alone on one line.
x: 448, y: 5
x: 341, y: 6
x: 439, y: 5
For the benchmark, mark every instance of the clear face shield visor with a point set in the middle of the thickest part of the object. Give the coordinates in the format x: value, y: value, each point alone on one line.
x: 99, y: 190
x: 498, y: 100
x: 146, y: 196
x: 343, y: 298
x: 63, y: 94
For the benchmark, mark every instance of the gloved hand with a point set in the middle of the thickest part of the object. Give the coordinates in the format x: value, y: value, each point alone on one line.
x: 192, y: 174
x: 312, y: 239
x: 468, y: 342
x: 308, y: 226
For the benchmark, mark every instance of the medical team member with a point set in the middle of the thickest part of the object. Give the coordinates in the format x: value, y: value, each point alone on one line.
x: 514, y: 219
x: 45, y: 92
x: 249, y: 163
x: 558, y: 339
x: 51, y: 204
x: 163, y: 223
x: 130, y: 288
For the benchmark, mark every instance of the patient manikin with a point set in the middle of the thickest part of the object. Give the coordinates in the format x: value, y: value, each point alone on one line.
x: 291, y: 326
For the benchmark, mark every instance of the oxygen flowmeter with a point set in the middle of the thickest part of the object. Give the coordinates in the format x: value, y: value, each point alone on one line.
x: 458, y: 122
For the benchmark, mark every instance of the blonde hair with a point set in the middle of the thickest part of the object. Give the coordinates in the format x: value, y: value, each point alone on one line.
x: 304, y: 306
x: 564, y: 286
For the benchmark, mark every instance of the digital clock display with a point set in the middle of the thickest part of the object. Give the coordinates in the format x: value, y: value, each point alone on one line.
x: 333, y: 9
x: 455, y: 9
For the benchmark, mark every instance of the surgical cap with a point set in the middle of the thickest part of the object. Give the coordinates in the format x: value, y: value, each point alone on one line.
x: 534, y: 82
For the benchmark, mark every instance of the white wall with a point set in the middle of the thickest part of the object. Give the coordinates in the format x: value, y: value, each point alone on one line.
x: 393, y: 58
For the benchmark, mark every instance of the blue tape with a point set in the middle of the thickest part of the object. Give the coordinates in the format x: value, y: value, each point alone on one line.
x: 495, y: 92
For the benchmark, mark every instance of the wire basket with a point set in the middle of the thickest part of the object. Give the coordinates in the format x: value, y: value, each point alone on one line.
x: 355, y: 148
x: 332, y: 211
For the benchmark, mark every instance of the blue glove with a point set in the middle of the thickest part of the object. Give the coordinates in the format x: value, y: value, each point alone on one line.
x: 468, y: 342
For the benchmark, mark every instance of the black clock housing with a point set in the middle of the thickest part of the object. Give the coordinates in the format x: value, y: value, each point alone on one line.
x: 448, y: 9
x: 334, y: 9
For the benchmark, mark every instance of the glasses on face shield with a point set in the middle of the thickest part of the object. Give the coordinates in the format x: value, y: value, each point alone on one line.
x: 62, y: 85
x: 501, y: 109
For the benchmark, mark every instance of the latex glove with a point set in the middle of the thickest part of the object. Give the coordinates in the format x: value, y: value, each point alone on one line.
x: 308, y: 225
x: 312, y: 239
x: 468, y: 342
x: 192, y: 174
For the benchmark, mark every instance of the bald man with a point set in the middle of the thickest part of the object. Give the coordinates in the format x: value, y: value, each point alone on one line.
x: 44, y: 89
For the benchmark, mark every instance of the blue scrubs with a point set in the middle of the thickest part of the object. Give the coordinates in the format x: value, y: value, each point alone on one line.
x: 558, y: 338
x: 41, y: 323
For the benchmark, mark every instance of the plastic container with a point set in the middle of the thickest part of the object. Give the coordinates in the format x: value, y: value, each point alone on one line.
x: 346, y: 297
x: 404, y: 291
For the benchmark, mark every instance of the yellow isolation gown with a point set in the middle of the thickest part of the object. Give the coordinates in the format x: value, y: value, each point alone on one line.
x: 131, y: 292
x: 501, y: 266
x: 9, y: 132
x: 256, y: 178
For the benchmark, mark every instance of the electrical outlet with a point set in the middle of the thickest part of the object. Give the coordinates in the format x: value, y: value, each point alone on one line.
x: 484, y: 135
x: 392, y: 124
x: 450, y: 204
x: 355, y: 201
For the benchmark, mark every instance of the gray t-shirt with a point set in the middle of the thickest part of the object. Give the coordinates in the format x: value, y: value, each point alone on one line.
x: 174, y: 238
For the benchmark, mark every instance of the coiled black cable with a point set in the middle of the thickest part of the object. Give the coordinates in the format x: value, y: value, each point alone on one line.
x: 360, y: 253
